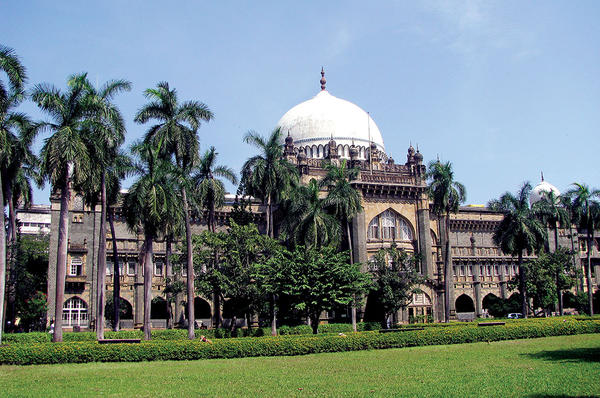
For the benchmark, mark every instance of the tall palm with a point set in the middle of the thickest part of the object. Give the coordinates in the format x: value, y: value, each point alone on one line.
x: 519, y: 231
x: 65, y: 159
x: 146, y: 206
x: 554, y: 214
x: 446, y: 196
x: 103, y: 140
x: 210, y: 193
x: 268, y: 176
x: 587, y: 216
x: 176, y: 126
x: 9, y: 98
x: 344, y: 200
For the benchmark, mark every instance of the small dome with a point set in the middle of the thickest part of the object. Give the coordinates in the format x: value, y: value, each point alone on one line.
x: 325, y: 117
x: 540, y: 190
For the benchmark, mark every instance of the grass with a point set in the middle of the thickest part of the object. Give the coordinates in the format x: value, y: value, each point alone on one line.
x: 555, y: 366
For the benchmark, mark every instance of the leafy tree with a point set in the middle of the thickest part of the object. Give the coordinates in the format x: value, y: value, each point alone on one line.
x: 28, y: 281
x: 318, y: 279
x: 268, y: 176
x: 177, y: 126
x: 519, y: 231
x: 395, y: 278
x: 146, y: 206
x: 65, y: 159
x: 446, y: 195
x: 586, y: 210
x: 344, y: 201
x: 9, y: 97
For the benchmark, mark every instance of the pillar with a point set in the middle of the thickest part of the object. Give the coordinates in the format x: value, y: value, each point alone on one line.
x: 423, y: 227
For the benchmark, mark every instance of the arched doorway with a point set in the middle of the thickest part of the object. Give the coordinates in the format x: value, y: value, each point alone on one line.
x: 201, y: 308
x: 464, y: 303
x: 75, y: 312
x: 125, y: 309
x: 494, y: 305
x: 419, y: 309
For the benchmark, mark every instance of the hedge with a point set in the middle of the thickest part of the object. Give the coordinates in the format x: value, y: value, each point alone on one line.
x: 86, y: 351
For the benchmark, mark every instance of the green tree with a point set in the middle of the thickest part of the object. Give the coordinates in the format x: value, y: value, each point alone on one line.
x: 268, y: 176
x: 318, y: 279
x: 65, y: 159
x: 519, y: 231
x: 146, y: 206
x: 586, y: 210
x: 396, y: 278
x: 446, y: 196
x: 10, y: 96
x: 177, y: 126
x: 554, y: 214
x: 209, y: 248
x: 345, y: 203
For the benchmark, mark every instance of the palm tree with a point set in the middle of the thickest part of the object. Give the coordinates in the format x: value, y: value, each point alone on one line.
x: 210, y: 193
x: 344, y: 200
x: 519, y: 231
x: 446, y: 195
x: 176, y: 127
x: 146, y: 206
x: 9, y: 97
x: 587, y: 216
x: 308, y: 222
x: 65, y: 159
x: 102, y: 141
x: 554, y: 215
x: 268, y: 176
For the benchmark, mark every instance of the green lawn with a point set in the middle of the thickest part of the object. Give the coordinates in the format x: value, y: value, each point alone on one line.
x: 556, y: 366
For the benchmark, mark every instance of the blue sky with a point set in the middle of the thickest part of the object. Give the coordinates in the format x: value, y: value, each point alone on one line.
x: 502, y: 89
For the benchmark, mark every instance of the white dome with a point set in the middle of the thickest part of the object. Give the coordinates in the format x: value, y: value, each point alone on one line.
x: 318, y: 120
x: 542, y: 189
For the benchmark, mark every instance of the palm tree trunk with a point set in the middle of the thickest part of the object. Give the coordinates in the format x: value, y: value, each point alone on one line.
x: 353, y: 308
x: 588, y: 268
x: 2, y: 262
x: 12, y: 217
x: 101, y: 280
x: 61, y: 260
x: 148, y: 265
x: 10, y: 258
x: 522, y: 287
x: 579, y: 284
x: 189, y: 267
x: 558, y: 287
x: 448, y: 275
x: 269, y: 217
x: 116, y: 273
x: 168, y: 272
x: 273, y: 315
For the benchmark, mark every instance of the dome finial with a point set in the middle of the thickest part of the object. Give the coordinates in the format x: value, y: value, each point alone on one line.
x: 323, y: 81
x: 542, y: 175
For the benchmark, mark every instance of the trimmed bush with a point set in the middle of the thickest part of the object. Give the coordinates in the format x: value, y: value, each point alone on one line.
x: 86, y: 351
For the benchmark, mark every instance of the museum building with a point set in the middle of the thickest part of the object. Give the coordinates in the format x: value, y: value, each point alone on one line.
x: 396, y: 210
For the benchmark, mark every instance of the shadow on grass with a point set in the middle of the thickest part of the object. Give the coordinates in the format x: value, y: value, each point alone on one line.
x: 574, y: 355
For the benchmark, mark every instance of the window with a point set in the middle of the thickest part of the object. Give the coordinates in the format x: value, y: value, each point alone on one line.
x: 470, y: 271
x: 462, y: 270
x: 496, y: 270
x: 158, y: 268
x: 388, y: 225
x: 76, y: 266
x: 184, y: 270
x: 373, y: 232
x: 481, y: 270
x: 488, y: 270
x: 109, y: 267
x: 506, y: 270
x: 75, y: 312
x: 131, y: 268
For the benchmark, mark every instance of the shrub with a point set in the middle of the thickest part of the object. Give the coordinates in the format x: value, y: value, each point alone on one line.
x: 89, y: 351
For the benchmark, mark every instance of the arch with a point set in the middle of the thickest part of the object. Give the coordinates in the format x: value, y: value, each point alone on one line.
x: 320, y: 151
x: 464, y: 303
x: 125, y: 309
x: 340, y: 150
x: 158, y: 308
x: 314, y: 152
x: 201, y: 308
x: 75, y: 312
x: 434, y: 240
x: 390, y: 225
x: 420, y: 299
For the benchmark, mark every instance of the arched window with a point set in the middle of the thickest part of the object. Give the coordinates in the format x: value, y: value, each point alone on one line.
x: 75, y: 312
x: 389, y: 226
